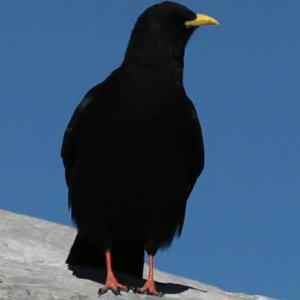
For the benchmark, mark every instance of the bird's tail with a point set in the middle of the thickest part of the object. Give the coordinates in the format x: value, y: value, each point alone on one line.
x: 127, y: 256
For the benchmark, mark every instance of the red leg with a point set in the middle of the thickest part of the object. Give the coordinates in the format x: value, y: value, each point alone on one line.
x: 149, y: 286
x: 111, y: 282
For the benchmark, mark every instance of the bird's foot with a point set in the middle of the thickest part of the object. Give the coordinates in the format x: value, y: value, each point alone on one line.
x: 149, y: 288
x: 113, y: 285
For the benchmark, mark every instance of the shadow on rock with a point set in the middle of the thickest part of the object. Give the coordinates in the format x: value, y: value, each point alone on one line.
x: 99, y: 275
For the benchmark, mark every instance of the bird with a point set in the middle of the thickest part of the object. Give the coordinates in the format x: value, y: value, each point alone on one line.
x: 133, y: 150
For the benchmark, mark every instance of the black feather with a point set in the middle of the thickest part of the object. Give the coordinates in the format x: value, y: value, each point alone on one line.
x: 133, y: 148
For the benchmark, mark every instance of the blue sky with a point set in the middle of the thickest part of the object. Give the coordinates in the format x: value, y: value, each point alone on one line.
x: 243, y: 219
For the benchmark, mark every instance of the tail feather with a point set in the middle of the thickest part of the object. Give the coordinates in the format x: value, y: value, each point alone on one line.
x: 127, y: 256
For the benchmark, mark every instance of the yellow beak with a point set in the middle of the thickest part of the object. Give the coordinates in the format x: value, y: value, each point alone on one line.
x: 200, y: 21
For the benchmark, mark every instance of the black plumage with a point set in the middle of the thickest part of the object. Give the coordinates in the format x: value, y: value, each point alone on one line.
x: 133, y: 148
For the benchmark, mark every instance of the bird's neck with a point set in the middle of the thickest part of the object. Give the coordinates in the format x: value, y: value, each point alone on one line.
x: 157, y: 62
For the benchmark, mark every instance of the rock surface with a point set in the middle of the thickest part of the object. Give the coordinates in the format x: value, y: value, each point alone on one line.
x: 32, y: 255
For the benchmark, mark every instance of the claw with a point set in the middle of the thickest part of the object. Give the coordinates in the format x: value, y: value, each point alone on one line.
x: 117, y: 291
x: 105, y: 290
x: 102, y: 291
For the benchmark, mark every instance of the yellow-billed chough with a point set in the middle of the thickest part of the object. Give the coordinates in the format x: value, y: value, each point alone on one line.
x: 133, y: 150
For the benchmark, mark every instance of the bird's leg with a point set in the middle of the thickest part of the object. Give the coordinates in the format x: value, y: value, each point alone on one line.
x: 111, y: 282
x: 149, y: 286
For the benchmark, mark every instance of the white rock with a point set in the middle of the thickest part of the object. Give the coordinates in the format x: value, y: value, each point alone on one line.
x: 32, y: 267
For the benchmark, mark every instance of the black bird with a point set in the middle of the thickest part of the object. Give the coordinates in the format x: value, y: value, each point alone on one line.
x: 133, y: 150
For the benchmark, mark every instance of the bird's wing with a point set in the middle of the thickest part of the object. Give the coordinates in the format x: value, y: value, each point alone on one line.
x: 69, y: 149
x: 197, y: 157
x: 197, y: 145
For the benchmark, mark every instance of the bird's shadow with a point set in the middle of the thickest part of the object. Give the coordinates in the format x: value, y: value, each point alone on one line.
x: 99, y: 276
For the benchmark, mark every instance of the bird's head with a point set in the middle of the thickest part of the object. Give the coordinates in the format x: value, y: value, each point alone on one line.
x: 162, y: 32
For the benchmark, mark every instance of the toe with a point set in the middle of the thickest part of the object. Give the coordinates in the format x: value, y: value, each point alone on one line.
x: 156, y: 293
x: 139, y: 290
x: 149, y: 288
x: 124, y: 288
